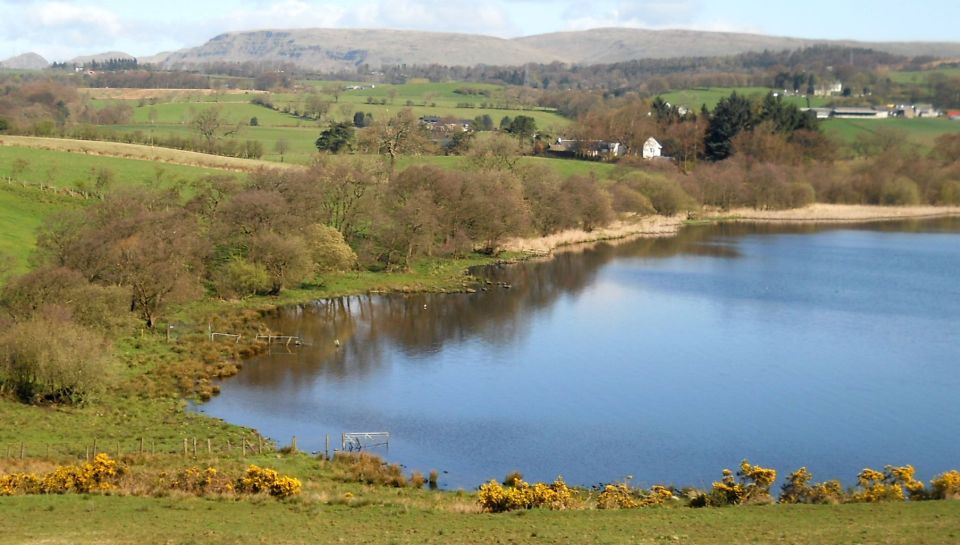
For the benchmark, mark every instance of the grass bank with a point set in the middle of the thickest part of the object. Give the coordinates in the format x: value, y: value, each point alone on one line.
x: 130, y: 520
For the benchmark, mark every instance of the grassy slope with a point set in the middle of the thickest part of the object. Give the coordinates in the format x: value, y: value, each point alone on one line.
x: 694, y: 98
x: 22, y: 210
x: 921, y: 131
x: 907, y: 76
x: 66, y: 169
x: 104, y: 519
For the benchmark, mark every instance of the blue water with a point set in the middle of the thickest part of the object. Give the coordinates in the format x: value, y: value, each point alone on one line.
x: 665, y: 360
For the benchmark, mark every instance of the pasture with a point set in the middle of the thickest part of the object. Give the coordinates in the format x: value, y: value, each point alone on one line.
x: 695, y: 98
x: 920, y: 131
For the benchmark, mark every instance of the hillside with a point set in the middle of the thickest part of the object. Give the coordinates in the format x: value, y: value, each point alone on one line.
x: 334, y: 49
x: 27, y: 61
x: 100, y: 57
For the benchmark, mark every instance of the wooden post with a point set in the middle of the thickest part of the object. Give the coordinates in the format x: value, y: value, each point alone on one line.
x: 209, y: 447
x: 22, y: 450
x: 293, y: 445
x: 8, y: 451
x: 94, y: 453
x: 326, y: 448
x: 153, y: 446
x: 141, y: 444
x: 194, y: 447
x: 229, y: 448
x: 185, y: 447
x: 86, y: 453
x: 259, y: 444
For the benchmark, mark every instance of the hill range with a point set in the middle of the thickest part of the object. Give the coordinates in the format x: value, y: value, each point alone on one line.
x: 336, y: 49
x: 347, y: 49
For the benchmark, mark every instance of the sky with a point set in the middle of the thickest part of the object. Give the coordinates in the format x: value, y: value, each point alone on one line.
x: 62, y: 29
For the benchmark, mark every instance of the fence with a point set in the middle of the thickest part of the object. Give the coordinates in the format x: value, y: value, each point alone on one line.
x: 193, y: 447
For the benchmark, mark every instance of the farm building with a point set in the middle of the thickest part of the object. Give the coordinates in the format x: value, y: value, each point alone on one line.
x: 651, y: 148
x: 859, y: 113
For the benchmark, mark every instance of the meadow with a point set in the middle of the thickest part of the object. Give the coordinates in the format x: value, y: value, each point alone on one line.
x: 920, y: 131
x: 695, y: 98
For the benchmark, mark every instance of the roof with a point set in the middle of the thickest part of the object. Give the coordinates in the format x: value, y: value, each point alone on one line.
x: 652, y: 141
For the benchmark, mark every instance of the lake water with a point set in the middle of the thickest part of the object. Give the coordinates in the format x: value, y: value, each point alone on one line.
x: 666, y: 360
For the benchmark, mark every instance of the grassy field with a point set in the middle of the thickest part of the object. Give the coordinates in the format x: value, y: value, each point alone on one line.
x: 923, y: 76
x: 695, y: 98
x: 398, y: 520
x: 70, y: 170
x: 22, y: 211
x: 920, y: 131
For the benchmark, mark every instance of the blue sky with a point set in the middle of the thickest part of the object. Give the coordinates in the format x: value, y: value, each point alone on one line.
x: 62, y: 29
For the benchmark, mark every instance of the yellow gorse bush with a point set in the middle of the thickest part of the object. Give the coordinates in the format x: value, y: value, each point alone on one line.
x: 100, y: 474
x: 621, y: 496
x: 946, y: 485
x: 496, y: 498
x: 754, y: 484
x: 258, y: 480
x: 889, y: 485
x: 798, y: 489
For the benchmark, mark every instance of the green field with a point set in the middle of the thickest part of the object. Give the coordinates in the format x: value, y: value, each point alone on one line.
x: 22, y: 211
x: 695, y: 98
x: 923, y: 76
x: 119, y: 520
x: 70, y: 170
x: 922, y: 131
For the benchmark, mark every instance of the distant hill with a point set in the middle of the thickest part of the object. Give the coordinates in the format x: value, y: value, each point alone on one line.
x: 27, y: 61
x: 335, y: 49
x: 101, y: 57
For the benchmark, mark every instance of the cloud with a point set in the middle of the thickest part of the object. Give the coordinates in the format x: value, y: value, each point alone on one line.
x: 652, y: 14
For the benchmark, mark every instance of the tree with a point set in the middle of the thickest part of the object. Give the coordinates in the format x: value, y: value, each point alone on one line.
x: 336, y: 138
x: 396, y: 136
x: 505, y: 123
x: 328, y: 250
x: 483, y: 122
x: 285, y: 258
x: 315, y: 106
x: 254, y: 122
x: 732, y: 115
x: 523, y: 127
x: 359, y: 120
x: 211, y: 124
x: 281, y: 146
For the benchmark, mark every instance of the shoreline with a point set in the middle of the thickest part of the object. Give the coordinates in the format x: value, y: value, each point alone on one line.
x: 665, y: 226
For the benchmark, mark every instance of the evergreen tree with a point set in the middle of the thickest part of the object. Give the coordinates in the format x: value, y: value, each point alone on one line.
x: 336, y: 138
x: 732, y: 115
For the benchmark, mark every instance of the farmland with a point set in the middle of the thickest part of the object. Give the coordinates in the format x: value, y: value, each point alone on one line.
x: 921, y: 131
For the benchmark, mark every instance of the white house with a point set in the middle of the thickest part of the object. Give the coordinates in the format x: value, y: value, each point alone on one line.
x: 651, y: 148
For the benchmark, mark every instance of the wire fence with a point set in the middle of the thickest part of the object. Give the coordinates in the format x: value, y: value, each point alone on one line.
x: 188, y: 447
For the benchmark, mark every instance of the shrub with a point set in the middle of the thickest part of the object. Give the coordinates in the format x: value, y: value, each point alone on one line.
x: 239, y: 278
x: 950, y: 193
x: 369, y: 468
x: 900, y: 191
x: 946, y: 486
x: 889, y: 485
x: 798, y: 489
x: 259, y: 480
x: 753, y: 486
x: 621, y: 496
x: 495, y: 498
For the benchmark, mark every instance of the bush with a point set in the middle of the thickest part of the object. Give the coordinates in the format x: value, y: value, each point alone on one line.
x: 328, y: 249
x: 101, y: 474
x: 946, y: 486
x: 798, y: 489
x: 666, y: 195
x: 495, y: 498
x: 900, y: 191
x: 950, y: 193
x: 889, y: 485
x: 753, y: 486
x: 259, y: 480
x: 239, y: 278
x: 53, y: 360
x: 621, y: 496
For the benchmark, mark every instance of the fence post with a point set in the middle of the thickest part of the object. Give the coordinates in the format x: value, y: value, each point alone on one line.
x: 22, y: 450
x: 259, y: 444
x: 326, y: 447
x: 209, y: 447
x: 185, y: 450
x: 94, y: 453
x: 141, y: 444
x: 293, y: 445
x: 194, y: 447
